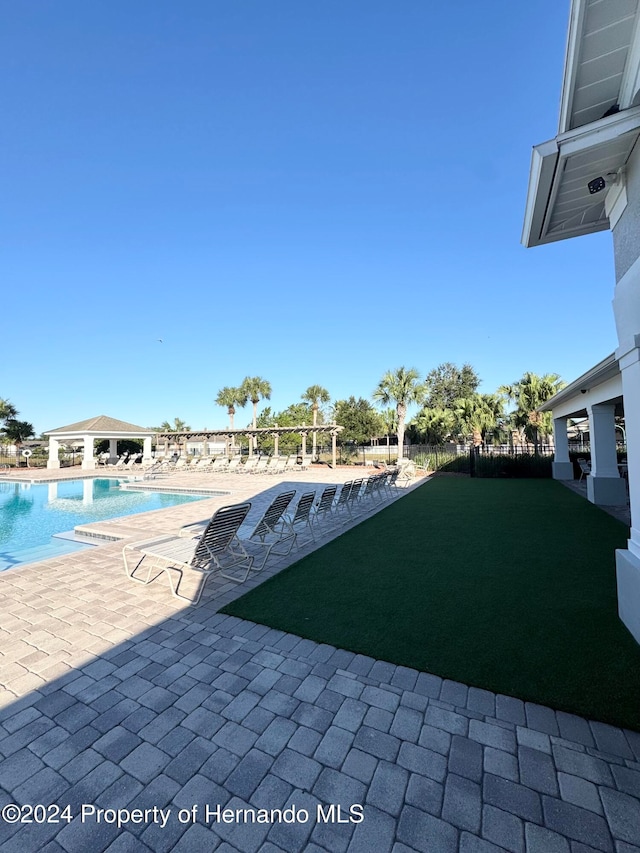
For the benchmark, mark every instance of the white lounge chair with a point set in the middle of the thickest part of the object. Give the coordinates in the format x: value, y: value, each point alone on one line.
x: 303, y: 513
x: 277, y: 465
x: 324, y: 507
x: 292, y: 464
x: 272, y: 533
x: 261, y: 465
x: 249, y: 465
x: 215, y: 552
x: 204, y: 463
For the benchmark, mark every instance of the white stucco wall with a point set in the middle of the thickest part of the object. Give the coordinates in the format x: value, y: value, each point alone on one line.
x: 626, y: 244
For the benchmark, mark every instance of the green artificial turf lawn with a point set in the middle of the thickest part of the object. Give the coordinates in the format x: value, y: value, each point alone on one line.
x: 508, y: 585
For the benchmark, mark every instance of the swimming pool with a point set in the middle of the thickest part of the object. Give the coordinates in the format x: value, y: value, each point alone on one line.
x: 32, y: 514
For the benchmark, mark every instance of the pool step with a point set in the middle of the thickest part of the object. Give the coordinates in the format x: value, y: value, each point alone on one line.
x: 72, y: 536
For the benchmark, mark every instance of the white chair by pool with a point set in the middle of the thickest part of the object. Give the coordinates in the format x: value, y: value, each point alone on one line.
x: 216, y: 552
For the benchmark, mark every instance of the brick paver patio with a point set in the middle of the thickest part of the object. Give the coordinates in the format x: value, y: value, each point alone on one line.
x: 128, y: 707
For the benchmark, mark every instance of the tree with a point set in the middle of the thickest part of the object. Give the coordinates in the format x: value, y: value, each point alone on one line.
x: 231, y: 397
x: 178, y: 426
x: 7, y: 410
x: 255, y: 388
x: 528, y: 394
x: 448, y: 383
x: 315, y: 394
x: 390, y: 422
x: 402, y: 387
x: 433, y: 425
x: 294, y: 415
x: 475, y: 416
x: 359, y: 419
x: 17, y: 432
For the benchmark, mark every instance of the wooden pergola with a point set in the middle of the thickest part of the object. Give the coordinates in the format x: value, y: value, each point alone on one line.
x: 228, y: 435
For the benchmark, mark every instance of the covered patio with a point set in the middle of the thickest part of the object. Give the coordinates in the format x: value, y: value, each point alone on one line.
x: 598, y: 396
x: 99, y: 428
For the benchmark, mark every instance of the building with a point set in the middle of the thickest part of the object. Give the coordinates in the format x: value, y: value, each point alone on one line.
x: 587, y: 179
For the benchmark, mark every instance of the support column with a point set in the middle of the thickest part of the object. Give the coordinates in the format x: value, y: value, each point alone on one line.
x: 54, y: 447
x: 275, y: 442
x: 303, y: 436
x: 334, y: 438
x: 628, y: 561
x: 146, y: 450
x: 561, y: 466
x: 113, y: 449
x: 604, y: 484
x: 88, y: 459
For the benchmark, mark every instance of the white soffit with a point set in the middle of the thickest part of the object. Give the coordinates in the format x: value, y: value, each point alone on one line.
x: 598, y: 59
x: 559, y: 204
x: 605, y: 371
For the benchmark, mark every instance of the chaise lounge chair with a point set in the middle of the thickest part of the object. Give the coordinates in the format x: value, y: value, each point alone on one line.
x: 272, y: 533
x: 214, y: 553
x: 303, y: 514
x: 324, y: 507
x: 249, y: 465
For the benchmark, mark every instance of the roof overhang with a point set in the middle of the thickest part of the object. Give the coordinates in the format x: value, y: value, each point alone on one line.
x: 602, y: 383
x: 62, y: 434
x: 601, y: 60
x: 559, y: 204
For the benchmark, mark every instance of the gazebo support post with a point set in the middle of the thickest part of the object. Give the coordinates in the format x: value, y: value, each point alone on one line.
x: 88, y: 459
x: 53, y: 460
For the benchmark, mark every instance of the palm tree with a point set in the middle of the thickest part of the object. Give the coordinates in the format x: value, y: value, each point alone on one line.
x: 16, y: 432
x: 434, y: 424
x: 255, y: 388
x: 528, y: 394
x: 390, y: 419
x: 7, y: 410
x: 315, y: 394
x: 178, y: 426
x: 402, y: 387
x: 475, y: 416
x: 231, y: 397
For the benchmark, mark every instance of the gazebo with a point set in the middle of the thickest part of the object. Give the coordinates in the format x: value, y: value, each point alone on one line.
x: 101, y: 427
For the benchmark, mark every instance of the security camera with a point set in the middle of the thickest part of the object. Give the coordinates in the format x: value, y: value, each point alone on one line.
x: 608, y: 180
x: 583, y: 390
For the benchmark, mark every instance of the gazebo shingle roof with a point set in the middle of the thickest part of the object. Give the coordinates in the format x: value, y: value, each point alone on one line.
x: 101, y: 423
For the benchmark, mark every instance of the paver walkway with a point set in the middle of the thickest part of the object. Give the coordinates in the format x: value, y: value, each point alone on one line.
x: 118, y: 698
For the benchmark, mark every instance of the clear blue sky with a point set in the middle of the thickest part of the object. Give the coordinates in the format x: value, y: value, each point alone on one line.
x: 311, y: 192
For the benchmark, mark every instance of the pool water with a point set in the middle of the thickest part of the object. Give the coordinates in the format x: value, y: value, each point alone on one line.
x: 32, y: 514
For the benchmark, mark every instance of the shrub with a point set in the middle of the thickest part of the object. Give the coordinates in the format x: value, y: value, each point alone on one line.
x: 507, y: 466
